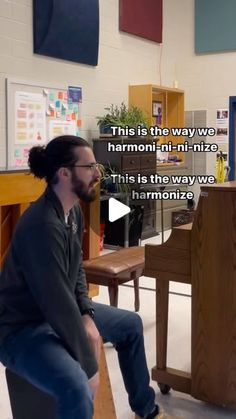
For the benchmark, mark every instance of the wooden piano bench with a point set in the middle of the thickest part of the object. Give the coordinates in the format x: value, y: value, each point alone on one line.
x: 117, y: 268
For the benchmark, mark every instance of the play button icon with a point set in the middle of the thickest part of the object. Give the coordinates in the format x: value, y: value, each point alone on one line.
x: 116, y: 209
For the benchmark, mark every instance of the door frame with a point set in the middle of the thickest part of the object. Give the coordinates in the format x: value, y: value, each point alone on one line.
x: 232, y: 136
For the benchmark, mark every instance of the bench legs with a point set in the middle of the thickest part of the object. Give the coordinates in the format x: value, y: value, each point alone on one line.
x: 136, y: 294
x: 113, y: 290
x: 113, y: 293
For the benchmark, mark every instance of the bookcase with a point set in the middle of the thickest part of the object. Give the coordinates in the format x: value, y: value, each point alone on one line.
x: 162, y: 106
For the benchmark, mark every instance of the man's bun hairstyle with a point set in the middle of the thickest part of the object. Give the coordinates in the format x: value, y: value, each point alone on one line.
x: 37, y: 161
x: 44, y: 161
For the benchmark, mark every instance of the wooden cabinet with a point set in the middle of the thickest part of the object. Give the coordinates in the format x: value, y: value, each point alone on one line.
x: 162, y: 106
x: 170, y: 205
x: 131, y: 163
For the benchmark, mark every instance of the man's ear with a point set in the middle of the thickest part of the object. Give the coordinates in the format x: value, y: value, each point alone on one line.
x: 64, y: 172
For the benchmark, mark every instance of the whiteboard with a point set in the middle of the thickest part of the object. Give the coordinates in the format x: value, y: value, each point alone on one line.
x: 36, y: 113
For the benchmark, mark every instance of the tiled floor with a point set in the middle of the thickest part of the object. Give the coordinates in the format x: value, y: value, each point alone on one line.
x: 177, y: 404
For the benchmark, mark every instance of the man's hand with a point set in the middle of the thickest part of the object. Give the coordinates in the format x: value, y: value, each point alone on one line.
x: 94, y: 383
x: 95, y: 339
x: 93, y: 335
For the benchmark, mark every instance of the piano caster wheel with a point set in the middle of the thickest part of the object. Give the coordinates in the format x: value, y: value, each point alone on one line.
x: 164, y: 388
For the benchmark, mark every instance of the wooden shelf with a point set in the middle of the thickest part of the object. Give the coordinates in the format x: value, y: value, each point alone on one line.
x: 172, y: 104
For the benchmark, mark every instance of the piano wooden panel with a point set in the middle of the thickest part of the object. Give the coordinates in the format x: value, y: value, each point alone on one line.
x: 172, y: 261
x: 17, y: 191
x: 214, y: 297
x: 210, y: 251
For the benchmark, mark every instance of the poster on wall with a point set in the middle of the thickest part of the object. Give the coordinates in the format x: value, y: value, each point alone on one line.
x: 30, y: 118
x: 222, y: 124
x: 157, y: 112
x: 58, y: 127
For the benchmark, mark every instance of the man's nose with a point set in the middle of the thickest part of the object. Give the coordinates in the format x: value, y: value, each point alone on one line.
x: 98, y: 173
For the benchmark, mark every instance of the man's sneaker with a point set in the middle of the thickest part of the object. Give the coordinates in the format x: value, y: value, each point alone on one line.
x: 154, y: 414
x: 163, y: 415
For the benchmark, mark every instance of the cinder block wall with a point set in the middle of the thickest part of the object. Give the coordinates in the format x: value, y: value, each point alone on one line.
x: 208, y: 80
x: 123, y: 59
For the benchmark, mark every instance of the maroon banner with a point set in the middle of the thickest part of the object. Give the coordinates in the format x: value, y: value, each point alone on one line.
x: 142, y: 18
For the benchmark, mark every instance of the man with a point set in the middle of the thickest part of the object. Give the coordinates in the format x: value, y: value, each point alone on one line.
x: 49, y: 328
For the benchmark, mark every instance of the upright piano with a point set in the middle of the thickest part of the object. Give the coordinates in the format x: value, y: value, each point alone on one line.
x: 202, y: 254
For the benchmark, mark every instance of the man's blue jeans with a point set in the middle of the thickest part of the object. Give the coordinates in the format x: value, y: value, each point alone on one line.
x: 38, y: 355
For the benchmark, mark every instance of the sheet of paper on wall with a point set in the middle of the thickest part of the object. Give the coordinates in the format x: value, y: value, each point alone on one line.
x: 74, y: 94
x: 17, y: 152
x: 19, y: 162
x: 20, y: 158
x: 222, y: 125
x: 64, y: 106
x: 76, y: 108
x: 60, y: 127
x: 30, y: 118
x: 52, y: 96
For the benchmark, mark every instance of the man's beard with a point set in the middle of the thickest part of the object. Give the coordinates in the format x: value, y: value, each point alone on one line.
x: 81, y: 190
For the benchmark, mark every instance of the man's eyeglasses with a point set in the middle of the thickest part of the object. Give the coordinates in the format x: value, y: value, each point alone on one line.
x: 92, y: 166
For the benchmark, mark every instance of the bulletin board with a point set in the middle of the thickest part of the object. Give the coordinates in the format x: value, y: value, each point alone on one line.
x: 36, y: 113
